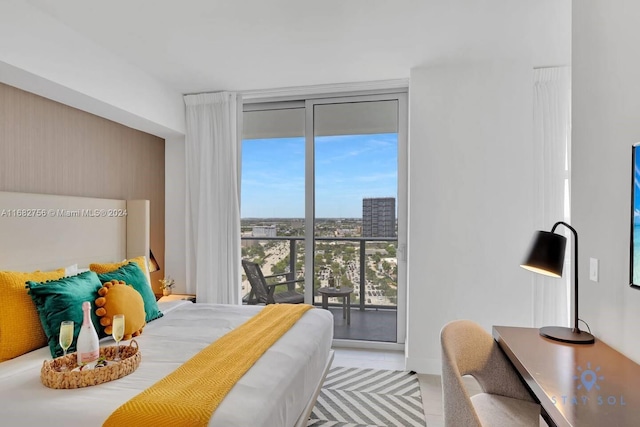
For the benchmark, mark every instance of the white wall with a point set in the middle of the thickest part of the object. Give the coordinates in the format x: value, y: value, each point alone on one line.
x: 606, y: 122
x: 42, y: 56
x: 470, y: 171
x: 175, y: 214
x: 470, y: 200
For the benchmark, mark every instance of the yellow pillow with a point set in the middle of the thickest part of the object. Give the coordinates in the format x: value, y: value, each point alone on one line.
x: 109, y: 267
x: 20, y: 327
x: 116, y: 297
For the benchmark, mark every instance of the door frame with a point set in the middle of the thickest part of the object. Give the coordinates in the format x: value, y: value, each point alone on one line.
x: 402, y: 206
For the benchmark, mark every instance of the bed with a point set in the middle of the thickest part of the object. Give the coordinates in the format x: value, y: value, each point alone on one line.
x: 278, y: 390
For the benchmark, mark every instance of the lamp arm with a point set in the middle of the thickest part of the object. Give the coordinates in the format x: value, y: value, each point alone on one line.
x: 575, y: 272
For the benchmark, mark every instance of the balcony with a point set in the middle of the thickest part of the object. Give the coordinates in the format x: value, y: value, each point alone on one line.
x: 368, y: 265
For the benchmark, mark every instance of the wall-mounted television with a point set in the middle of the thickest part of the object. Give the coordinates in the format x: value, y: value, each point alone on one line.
x: 635, y: 217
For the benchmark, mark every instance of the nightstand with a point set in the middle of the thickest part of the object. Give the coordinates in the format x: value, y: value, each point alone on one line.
x: 178, y: 297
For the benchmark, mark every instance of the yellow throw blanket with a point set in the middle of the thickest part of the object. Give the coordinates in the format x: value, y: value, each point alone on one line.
x: 189, y: 395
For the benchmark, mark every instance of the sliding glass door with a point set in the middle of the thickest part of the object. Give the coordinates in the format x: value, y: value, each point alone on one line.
x: 354, y: 179
x: 324, y: 199
x: 273, y: 192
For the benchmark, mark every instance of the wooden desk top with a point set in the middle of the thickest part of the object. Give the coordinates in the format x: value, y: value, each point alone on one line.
x: 578, y: 385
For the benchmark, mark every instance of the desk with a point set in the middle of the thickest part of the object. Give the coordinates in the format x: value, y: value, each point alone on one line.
x: 343, y: 292
x: 580, y: 385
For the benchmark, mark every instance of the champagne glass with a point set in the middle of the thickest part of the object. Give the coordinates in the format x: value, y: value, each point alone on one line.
x: 118, y: 332
x: 65, y: 339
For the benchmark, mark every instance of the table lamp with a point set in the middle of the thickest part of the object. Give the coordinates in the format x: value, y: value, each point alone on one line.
x: 153, y: 264
x: 546, y: 256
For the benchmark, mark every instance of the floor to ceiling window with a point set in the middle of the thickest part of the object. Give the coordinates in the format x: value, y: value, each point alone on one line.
x: 273, y: 190
x: 323, y: 184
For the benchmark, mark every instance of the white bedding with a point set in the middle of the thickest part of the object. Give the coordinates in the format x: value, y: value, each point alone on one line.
x: 273, y: 393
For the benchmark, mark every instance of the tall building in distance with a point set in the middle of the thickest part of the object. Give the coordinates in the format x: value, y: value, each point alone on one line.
x: 379, y: 217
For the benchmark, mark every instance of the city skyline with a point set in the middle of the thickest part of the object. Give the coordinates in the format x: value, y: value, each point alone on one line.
x: 348, y: 168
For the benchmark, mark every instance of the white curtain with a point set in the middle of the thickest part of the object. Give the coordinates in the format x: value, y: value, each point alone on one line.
x: 213, y: 202
x: 552, y: 142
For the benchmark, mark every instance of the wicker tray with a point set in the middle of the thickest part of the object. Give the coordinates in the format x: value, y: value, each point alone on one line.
x: 52, y: 377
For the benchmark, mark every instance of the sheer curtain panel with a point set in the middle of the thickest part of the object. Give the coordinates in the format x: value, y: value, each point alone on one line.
x: 213, y: 202
x: 551, y: 138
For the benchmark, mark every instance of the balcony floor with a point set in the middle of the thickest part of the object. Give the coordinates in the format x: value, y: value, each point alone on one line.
x: 368, y: 325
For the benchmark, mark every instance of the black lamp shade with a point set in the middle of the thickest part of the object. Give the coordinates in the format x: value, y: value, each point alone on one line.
x: 546, y: 255
x: 153, y: 264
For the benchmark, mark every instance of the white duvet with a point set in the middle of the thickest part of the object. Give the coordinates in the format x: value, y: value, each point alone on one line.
x: 272, y: 393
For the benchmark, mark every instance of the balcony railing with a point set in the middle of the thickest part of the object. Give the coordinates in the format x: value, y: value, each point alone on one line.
x: 378, y: 283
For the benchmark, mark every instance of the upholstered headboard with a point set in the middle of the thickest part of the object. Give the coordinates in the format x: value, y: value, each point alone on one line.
x: 43, y: 231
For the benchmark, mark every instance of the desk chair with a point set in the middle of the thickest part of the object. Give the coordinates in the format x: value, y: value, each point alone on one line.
x: 467, y: 349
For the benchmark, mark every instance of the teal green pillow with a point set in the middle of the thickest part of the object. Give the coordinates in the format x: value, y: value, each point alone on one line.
x: 131, y: 274
x: 58, y: 300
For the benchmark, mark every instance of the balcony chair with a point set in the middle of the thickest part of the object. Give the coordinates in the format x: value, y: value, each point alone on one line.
x: 467, y: 349
x: 264, y: 293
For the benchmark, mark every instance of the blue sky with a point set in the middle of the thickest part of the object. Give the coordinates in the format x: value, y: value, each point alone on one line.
x: 348, y: 168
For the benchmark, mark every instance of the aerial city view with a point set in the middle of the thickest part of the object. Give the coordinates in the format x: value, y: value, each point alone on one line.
x: 337, y: 259
x: 354, y: 176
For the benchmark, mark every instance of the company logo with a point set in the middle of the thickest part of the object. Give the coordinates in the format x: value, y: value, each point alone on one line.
x: 588, y: 378
x: 587, y: 389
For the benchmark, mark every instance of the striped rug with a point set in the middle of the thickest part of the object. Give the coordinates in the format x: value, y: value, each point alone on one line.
x: 355, y: 397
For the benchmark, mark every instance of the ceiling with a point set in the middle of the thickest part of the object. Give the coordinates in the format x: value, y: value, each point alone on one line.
x: 207, y: 45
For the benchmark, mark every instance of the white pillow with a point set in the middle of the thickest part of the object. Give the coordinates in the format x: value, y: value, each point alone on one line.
x: 71, y: 270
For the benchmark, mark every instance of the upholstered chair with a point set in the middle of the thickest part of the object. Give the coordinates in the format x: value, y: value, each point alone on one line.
x: 467, y: 349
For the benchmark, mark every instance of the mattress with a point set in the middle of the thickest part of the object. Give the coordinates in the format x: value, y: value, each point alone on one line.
x: 272, y: 393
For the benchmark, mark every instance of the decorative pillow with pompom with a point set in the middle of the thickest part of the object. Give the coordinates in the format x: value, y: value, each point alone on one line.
x: 132, y: 275
x: 116, y: 297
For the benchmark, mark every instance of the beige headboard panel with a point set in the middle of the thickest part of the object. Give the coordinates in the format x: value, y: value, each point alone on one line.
x: 43, y: 231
